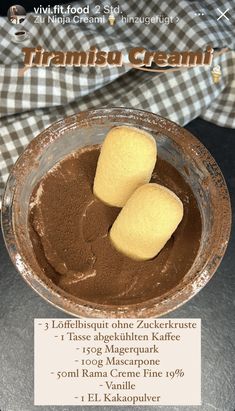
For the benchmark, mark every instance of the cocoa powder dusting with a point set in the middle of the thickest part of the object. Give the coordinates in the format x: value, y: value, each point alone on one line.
x: 69, y: 230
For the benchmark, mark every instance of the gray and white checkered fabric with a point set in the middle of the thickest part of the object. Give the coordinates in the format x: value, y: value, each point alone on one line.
x: 33, y: 101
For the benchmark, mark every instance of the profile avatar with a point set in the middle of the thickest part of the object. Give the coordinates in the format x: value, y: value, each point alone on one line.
x: 16, y: 14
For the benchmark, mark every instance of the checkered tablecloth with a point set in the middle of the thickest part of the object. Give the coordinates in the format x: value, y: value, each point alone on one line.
x: 31, y: 102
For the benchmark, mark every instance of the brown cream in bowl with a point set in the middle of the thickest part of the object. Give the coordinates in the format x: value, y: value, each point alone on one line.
x: 69, y: 230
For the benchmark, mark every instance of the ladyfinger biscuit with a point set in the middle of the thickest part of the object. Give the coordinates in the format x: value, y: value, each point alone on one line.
x: 146, y: 222
x: 126, y: 161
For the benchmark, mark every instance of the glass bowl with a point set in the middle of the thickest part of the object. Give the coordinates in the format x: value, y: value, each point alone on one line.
x: 177, y: 146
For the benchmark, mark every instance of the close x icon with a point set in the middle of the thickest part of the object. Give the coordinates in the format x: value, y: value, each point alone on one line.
x: 223, y: 14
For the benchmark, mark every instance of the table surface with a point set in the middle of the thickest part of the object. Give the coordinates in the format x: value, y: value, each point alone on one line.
x: 215, y: 305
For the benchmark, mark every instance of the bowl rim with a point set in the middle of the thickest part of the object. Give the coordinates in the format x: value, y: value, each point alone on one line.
x: 156, y: 306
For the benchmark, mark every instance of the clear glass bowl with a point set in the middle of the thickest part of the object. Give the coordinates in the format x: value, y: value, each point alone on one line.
x: 176, y: 145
